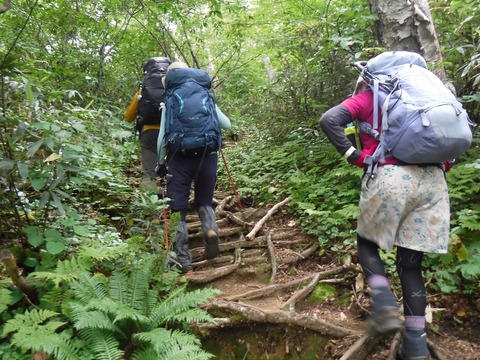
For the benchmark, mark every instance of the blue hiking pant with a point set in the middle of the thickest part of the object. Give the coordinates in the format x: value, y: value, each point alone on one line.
x: 184, y: 170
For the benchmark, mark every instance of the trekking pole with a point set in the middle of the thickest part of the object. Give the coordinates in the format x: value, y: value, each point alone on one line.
x: 165, y: 220
x: 231, y: 180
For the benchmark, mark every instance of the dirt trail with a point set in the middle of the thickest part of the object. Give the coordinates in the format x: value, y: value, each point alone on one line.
x: 270, y: 275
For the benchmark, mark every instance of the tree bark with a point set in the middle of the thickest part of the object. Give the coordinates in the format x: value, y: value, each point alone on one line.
x: 407, y: 25
x: 6, y: 6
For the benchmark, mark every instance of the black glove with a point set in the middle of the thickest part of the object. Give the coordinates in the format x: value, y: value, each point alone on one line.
x: 161, y: 170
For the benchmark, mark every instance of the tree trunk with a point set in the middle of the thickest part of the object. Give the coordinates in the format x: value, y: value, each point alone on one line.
x: 407, y: 25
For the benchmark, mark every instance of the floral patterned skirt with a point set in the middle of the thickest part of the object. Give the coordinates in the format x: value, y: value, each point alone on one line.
x: 406, y: 206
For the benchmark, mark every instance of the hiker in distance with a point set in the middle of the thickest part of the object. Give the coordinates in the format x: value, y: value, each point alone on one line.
x: 144, y: 108
x: 188, y: 144
x: 401, y: 205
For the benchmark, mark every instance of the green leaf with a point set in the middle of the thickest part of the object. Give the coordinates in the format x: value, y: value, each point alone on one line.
x: 22, y: 170
x: 38, y: 183
x: 44, y: 199
x: 36, y: 239
x: 20, y: 131
x: 55, y: 247
x: 58, y: 203
x: 34, y: 147
x: 52, y: 234
x: 81, y: 230
x: 7, y: 164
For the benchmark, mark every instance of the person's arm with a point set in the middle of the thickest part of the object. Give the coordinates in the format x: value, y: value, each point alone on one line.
x: 333, y: 123
x: 223, y: 120
x: 131, y: 111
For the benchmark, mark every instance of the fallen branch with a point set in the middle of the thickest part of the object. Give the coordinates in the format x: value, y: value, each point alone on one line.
x: 259, y: 224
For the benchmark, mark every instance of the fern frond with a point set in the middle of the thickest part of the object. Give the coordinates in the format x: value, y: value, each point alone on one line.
x: 139, y: 284
x: 105, y: 346
x: 94, y: 320
x: 65, y: 272
x: 145, y: 353
x: 125, y: 312
x: 118, y: 287
x: 97, y: 251
x: 186, y: 352
x: 162, y: 339
x: 169, y: 309
x: 29, y: 321
x: 54, y: 277
x: 59, y: 345
x: 5, y: 298
x: 88, y: 287
x: 174, y: 344
x: 195, y: 315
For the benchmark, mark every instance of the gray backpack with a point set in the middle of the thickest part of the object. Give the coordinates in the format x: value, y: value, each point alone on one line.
x: 421, y: 121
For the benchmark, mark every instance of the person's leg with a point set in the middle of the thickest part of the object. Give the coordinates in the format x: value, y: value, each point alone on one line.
x: 148, y: 142
x: 385, y: 314
x: 409, y: 268
x: 179, y: 179
x: 204, y: 190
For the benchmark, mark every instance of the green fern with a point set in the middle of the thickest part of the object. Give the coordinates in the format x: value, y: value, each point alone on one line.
x: 178, y: 308
x: 5, y: 299
x: 127, y: 310
x: 105, y: 345
x: 173, y: 344
x: 36, y: 330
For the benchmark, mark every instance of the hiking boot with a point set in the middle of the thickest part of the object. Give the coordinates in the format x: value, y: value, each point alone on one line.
x: 210, y: 231
x: 414, y: 346
x: 385, y: 316
x: 384, y: 321
x: 181, y: 249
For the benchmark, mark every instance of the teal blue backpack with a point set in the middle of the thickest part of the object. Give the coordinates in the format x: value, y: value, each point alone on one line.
x: 191, y: 121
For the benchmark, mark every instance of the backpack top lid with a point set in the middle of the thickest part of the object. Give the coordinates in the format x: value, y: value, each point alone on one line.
x: 157, y: 64
x: 385, y: 62
x: 178, y: 76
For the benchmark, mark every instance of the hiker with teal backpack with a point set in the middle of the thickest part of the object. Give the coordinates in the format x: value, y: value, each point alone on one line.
x: 411, y: 129
x: 188, y: 144
x: 144, y: 109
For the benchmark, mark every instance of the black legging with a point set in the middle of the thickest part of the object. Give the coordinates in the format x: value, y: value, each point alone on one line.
x: 409, y: 268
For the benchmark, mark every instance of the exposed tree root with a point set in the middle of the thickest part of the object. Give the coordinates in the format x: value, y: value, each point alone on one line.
x: 251, y: 313
x: 302, y: 256
x: 273, y: 261
x: 276, y: 250
x: 302, y: 294
x: 361, y: 348
x: 209, y: 276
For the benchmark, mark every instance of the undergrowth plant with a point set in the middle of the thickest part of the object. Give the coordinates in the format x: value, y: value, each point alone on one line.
x: 325, y: 192
x: 92, y: 310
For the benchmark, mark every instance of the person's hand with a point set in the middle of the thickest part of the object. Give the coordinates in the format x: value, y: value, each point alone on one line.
x: 161, y: 170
